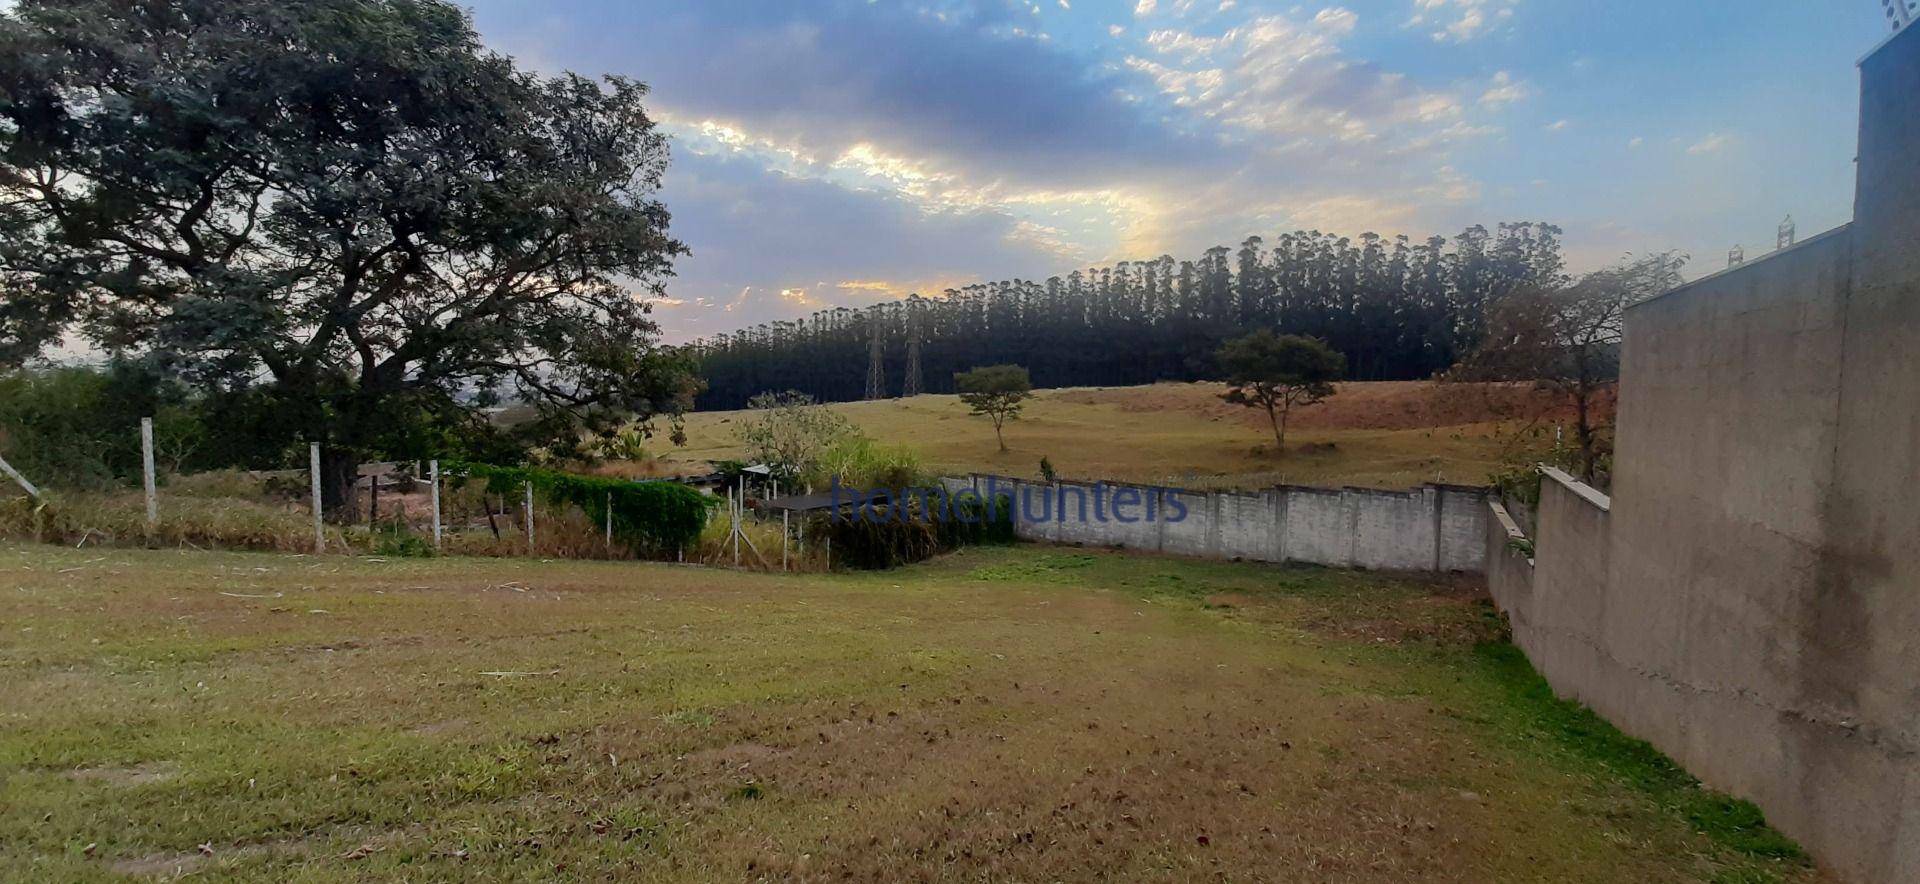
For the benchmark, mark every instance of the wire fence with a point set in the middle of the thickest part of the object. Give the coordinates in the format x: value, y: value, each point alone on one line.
x: 389, y: 508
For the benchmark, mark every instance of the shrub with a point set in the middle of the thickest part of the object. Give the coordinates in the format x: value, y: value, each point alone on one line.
x: 916, y: 534
x: 859, y: 463
x: 659, y: 517
x: 78, y: 427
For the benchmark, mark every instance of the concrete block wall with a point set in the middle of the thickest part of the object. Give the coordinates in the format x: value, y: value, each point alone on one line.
x: 1432, y: 528
x: 1748, y: 600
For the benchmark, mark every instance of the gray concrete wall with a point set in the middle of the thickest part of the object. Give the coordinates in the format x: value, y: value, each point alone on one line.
x: 1749, y: 598
x: 1509, y: 567
x: 1432, y: 528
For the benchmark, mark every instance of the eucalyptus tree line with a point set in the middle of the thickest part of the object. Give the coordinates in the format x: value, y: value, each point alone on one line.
x: 1398, y: 309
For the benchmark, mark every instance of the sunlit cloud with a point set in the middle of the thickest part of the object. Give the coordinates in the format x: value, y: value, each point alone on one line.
x: 1710, y: 144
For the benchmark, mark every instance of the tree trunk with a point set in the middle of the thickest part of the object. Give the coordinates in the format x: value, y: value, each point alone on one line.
x: 1583, y: 431
x: 339, y: 473
x: 1279, y: 422
x: 999, y: 437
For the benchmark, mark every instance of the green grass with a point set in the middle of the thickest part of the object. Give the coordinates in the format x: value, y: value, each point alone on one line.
x: 1732, y: 822
x: 1005, y: 713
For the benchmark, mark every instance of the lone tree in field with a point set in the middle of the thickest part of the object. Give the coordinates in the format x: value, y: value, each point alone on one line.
x: 1566, y: 338
x: 346, y: 209
x: 997, y: 392
x: 1277, y: 373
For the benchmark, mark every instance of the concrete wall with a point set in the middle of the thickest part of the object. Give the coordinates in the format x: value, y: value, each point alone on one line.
x: 1749, y: 598
x: 1432, y: 528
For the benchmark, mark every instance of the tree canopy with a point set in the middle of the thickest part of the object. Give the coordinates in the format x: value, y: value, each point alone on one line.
x: 347, y: 213
x: 1566, y: 338
x: 1278, y: 372
x: 996, y: 392
x: 1399, y: 308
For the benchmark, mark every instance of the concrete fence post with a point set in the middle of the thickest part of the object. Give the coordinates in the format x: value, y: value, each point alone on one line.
x: 319, y: 526
x: 528, y: 506
x: 19, y: 479
x: 148, y: 482
x: 433, y: 492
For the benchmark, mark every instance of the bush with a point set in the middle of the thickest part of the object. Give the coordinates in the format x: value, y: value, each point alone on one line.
x: 916, y: 535
x: 78, y: 427
x: 859, y: 463
x: 657, y: 517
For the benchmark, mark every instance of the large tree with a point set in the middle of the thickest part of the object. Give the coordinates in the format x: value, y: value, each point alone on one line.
x: 1278, y: 373
x: 1566, y: 338
x: 348, y: 207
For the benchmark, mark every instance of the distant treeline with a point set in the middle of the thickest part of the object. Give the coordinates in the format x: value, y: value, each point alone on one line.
x: 1398, y: 310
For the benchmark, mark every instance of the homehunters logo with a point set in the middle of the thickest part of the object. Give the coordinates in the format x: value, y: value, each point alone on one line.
x: 1018, y: 501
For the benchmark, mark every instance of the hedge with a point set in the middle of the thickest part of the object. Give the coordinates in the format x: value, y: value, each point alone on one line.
x: 657, y: 517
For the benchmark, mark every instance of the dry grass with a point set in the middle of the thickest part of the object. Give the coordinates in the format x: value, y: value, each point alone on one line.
x: 1388, y: 435
x: 1005, y: 714
x: 77, y: 518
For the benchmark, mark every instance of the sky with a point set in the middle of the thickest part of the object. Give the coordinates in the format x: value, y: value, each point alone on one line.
x: 851, y: 151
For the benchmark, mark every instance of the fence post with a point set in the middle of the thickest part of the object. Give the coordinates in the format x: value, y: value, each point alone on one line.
x: 146, y: 467
x: 433, y: 475
x: 15, y: 476
x: 319, y: 527
x: 609, y: 523
x: 529, y: 508
x: 785, y: 531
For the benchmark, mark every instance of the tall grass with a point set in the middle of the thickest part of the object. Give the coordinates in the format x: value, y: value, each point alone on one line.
x: 78, y: 518
x: 860, y: 462
x: 806, y: 548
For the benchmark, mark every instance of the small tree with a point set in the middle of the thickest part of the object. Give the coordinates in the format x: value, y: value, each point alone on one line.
x: 791, y: 433
x: 996, y: 392
x: 1567, y: 340
x: 1279, y: 372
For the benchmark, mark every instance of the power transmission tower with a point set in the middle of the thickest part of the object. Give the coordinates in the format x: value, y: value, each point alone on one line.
x: 876, y: 356
x: 1786, y: 235
x: 1900, y: 13
x: 911, y: 386
x: 1736, y: 256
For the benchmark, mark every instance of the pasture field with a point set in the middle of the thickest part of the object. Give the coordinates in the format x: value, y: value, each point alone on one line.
x: 1378, y: 435
x: 1011, y: 713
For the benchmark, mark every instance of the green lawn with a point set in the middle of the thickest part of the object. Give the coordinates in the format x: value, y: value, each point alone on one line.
x: 1009, y: 714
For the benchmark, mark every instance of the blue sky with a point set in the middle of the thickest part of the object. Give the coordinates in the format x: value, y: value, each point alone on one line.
x: 848, y: 152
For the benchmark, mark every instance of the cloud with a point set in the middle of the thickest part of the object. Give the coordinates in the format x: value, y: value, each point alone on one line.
x: 1635, y: 142
x: 769, y: 245
x: 1458, y: 21
x: 1274, y: 76
x: 1144, y: 8
x: 1336, y: 20
x: 1558, y: 126
x: 1710, y: 144
x: 1504, y: 89
x: 901, y: 150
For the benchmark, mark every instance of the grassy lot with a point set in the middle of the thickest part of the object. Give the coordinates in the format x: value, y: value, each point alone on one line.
x: 1013, y: 713
x: 1384, y: 435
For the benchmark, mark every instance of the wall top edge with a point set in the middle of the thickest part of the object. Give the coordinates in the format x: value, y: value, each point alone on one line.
x: 1586, y: 492
x: 1754, y: 264
x: 1415, y: 491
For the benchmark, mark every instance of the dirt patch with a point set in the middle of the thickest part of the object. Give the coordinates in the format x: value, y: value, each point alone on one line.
x: 154, y: 865
x: 136, y: 775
